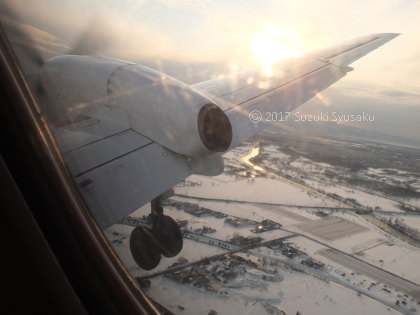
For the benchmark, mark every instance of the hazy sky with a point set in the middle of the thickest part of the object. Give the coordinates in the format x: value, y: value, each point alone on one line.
x: 387, y: 80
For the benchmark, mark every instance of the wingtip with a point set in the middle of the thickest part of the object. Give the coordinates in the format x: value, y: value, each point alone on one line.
x: 385, y: 35
x: 390, y: 35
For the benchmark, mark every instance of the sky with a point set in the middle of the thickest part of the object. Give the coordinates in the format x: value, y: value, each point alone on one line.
x: 386, y: 82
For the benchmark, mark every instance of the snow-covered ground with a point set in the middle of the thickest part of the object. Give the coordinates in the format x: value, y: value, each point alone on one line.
x: 312, y: 167
x: 264, y: 190
x: 411, y: 220
x: 256, y: 212
x: 393, y: 177
x: 290, y: 292
x: 396, y: 257
x: 258, y: 291
x: 314, y: 174
x: 365, y: 199
x: 380, y: 255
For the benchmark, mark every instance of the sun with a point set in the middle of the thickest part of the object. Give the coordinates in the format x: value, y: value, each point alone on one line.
x: 273, y: 45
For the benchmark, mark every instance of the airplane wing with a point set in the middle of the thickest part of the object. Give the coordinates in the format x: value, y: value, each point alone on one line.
x: 116, y: 168
x: 292, y: 83
x: 133, y: 133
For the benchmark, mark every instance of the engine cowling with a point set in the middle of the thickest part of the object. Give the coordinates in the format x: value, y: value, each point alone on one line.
x: 159, y: 107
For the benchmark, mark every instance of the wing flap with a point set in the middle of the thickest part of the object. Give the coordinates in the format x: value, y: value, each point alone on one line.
x: 281, y: 100
x: 117, y: 169
x: 91, y: 127
x: 102, y: 151
x: 251, y: 84
x: 115, y: 189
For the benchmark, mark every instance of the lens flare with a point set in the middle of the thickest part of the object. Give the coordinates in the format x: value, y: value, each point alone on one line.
x: 271, y: 46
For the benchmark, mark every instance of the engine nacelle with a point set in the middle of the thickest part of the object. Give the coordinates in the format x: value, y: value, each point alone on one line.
x: 158, y: 106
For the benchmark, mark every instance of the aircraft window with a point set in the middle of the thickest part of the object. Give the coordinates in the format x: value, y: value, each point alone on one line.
x: 222, y: 167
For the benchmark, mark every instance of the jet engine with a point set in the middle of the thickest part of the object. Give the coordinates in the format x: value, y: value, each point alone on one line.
x: 158, y: 106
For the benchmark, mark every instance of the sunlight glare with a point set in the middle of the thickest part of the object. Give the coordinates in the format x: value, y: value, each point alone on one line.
x: 271, y: 46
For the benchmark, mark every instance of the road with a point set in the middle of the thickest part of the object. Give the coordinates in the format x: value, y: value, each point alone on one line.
x: 327, y: 277
x: 376, y: 273
x: 214, y: 257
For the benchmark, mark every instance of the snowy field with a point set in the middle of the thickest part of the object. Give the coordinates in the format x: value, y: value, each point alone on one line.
x: 264, y: 190
x: 290, y: 292
x: 365, y: 199
x: 315, y: 229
